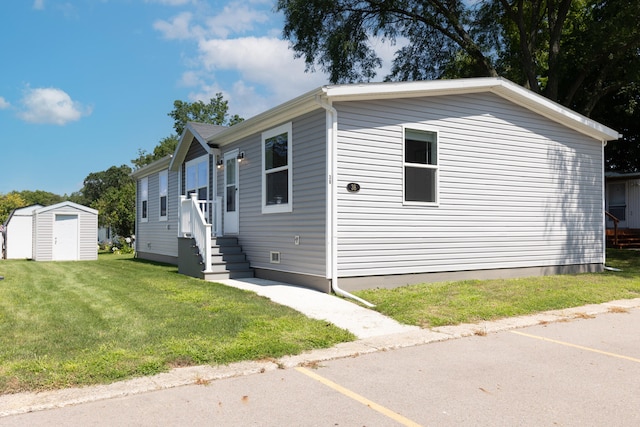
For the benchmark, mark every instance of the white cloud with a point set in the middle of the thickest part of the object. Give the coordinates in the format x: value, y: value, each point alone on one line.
x: 261, y: 60
x: 180, y: 27
x: 236, y: 18
x: 4, y: 104
x: 264, y: 66
x: 240, y: 53
x: 171, y: 2
x: 38, y: 4
x: 51, y: 106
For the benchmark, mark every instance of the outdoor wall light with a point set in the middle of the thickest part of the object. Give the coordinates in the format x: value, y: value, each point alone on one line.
x: 241, y: 157
x: 220, y: 163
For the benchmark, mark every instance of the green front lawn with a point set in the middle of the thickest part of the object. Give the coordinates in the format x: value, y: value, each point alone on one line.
x: 471, y: 301
x: 78, y: 323
x: 68, y: 324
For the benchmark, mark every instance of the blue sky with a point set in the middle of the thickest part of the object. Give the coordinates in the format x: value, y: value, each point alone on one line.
x: 85, y: 84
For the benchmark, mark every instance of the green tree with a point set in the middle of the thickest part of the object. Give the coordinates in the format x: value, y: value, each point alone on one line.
x: 165, y: 147
x: 540, y: 44
x: 9, y: 202
x: 40, y: 197
x: 117, y: 208
x: 216, y: 112
x: 96, y: 184
x: 584, y: 54
x: 112, y: 193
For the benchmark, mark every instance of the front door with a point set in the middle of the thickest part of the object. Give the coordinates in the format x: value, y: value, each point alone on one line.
x: 617, y: 203
x: 65, y: 238
x: 231, y: 196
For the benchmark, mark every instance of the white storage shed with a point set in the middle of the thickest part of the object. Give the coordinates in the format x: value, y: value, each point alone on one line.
x: 65, y: 231
x: 19, y: 233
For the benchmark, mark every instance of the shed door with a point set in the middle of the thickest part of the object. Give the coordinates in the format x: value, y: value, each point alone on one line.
x: 65, y: 238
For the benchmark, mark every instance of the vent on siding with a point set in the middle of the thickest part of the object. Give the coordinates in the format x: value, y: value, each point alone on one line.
x: 275, y: 257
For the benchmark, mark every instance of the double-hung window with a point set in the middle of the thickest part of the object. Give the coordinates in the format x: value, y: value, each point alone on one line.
x: 277, y: 170
x: 163, y: 178
x: 420, y: 166
x: 144, y: 199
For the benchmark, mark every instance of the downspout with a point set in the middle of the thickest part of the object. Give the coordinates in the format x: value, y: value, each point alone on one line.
x: 604, y: 209
x: 332, y: 205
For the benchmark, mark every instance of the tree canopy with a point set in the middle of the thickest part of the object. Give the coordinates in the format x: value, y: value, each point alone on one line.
x: 165, y: 147
x: 215, y: 112
x: 559, y: 48
x: 20, y: 199
x: 583, y: 54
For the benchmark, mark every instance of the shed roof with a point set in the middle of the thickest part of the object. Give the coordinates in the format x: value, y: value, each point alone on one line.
x: 66, y: 204
x: 25, y: 211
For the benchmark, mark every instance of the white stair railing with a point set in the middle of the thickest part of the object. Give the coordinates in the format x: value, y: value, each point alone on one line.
x: 193, y: 224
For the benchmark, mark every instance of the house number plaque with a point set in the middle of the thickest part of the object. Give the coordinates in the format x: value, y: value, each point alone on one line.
x: 352, y: 187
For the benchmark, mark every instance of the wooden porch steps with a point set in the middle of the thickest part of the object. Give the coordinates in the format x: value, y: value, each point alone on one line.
x: 628, y: 238
x: 228, y: 261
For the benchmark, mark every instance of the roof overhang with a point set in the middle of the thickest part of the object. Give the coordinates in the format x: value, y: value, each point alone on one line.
x: 497, y: 85
x: 368, y: 91
x: 296, y: 107
x: 153, y: 167
x: 184, y: 143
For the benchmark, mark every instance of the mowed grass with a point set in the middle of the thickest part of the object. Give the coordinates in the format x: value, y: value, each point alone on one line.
x: 471, y: 301
x: 66, y: 324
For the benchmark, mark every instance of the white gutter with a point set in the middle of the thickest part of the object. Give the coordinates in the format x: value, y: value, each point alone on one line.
x: 332, y: 201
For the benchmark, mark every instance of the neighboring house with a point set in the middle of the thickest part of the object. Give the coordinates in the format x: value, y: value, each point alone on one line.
x: 106, y: 235
x: 622, y: 202
x: 65, y: 232
x: 383, y: 184
x: 623, y: 199
x: 19, y: 233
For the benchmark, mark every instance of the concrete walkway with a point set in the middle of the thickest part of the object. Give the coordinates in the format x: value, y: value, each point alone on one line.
x: 362, y: 322
x: 375, y: 331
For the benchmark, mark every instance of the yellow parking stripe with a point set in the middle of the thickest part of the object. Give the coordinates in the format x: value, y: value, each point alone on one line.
x: 567, y: 344
x: 355, y: 396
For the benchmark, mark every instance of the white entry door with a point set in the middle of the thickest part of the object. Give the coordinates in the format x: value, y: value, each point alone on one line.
x: 65, y: 238
x: 231, y: 196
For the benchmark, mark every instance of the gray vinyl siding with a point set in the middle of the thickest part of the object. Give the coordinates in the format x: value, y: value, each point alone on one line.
x: 43, y: 233
x: 43, y: 237
x: 515, y: 189
x: 262, y: 233
x: 155, y: 236
x: 88, y: 235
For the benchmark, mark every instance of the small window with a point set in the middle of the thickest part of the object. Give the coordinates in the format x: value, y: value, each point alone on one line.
x: 164, y: 190
x: 144, y: 199
x: 420, y: 166
x: 276, y: 170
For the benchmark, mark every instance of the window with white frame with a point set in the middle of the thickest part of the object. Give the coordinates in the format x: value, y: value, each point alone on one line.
x: 163, y: 179
x: 144, y: 199
x: 277, y: 170
x: 420, y: 166
x: 197, y: 177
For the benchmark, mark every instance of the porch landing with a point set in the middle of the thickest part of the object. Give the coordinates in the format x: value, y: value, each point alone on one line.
x: 628, y: 238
